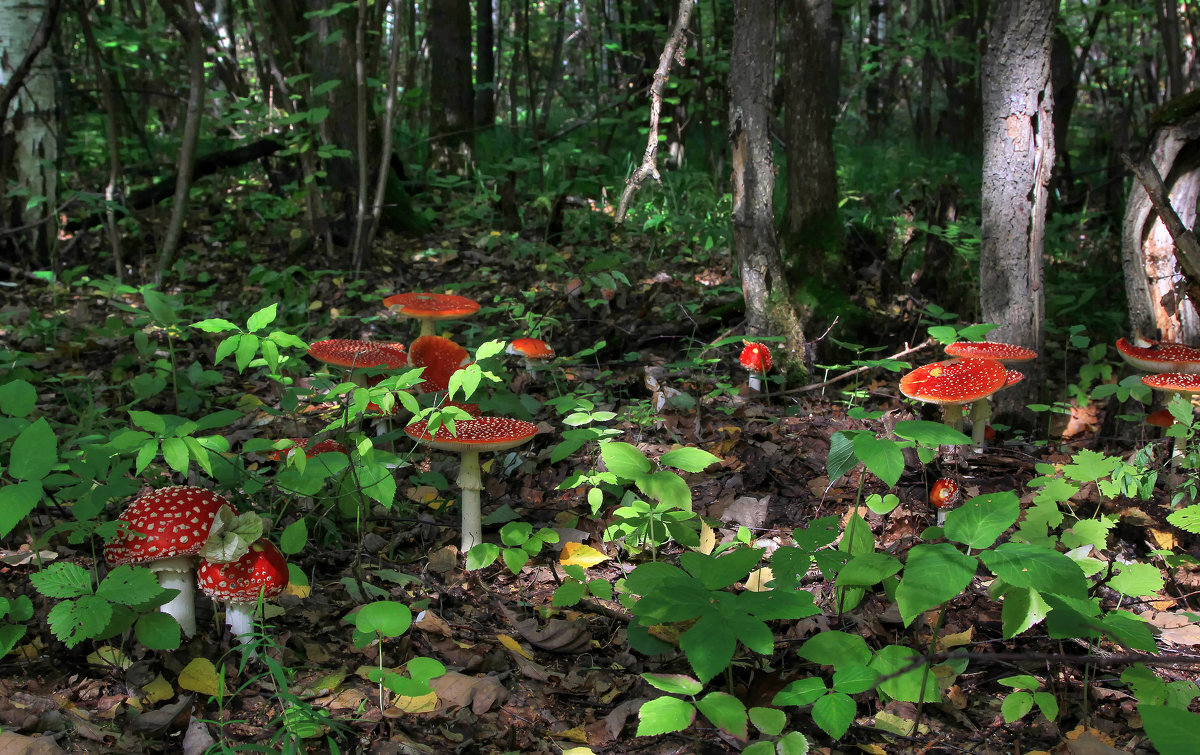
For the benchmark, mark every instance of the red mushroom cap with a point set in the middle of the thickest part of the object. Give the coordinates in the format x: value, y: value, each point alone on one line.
x: 1012, y: 377
x: 1160, y: 356
x: 957, y: 381
x: 1160, y: 418
x: 441, y: 358
x: 1178, y: 382
x: 944, y: 492
x: 263, y: 568
x: 326, y: 446
x: 530, y: 348
x: 431, y: 306
x: 344, y: 352
x: 1000, y: 352
x: 172, y: 522
x: 755, y: 357
x: 480, y: 434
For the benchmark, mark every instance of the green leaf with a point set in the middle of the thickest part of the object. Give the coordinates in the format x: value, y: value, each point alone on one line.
x: 709, y: 646
x: 933, y: 575
x: 1171, y: 730
x: 905, y: 687
x: 515, y: 559
x: 868, y: 569
x: 246, y: 349
x: 676, y: 684
x: 386, y: 618
x: 664, y: 715
x: 1020, y: 681
x: 834, y: 713
x: 568, y: 594
x: 157, y: 631
x: 1016, y: 705
x: 74, y: 621
x: 1047, y: 704
x: 717, y: 573
x: 855, y: 679
x: 489, y: 349
x: 1039, y: 567
x: 1137, y: 580
x: 1090, y: 465
x: 148, y: 421
x: 34, y: 452
x: 801, y: 692
x: 294, y: 537
x: 841, y: 458
x: 128, y: 585
x: 262, y: 318
x: 62, y: 580
x: 883, y: 457
x: 145, y: 455
x: 726, y: 712
x: 482, y: 555
x: 666, y: 487
x: 214, y: 325
x: 159, y: 306
x: 1187, y: 519
x: 17, y: 399
x: 688, y: 459
x: 624, y: 460
x: 175, y: 453
x: 1022, y: 608
x: 792, y: 743
x: 930, y: 433
x: 978, y: 522
x: 10, y: 635
x: 16, y: 501
x: 769, y: 721
x: 226, y: 347
x: 835, y: 648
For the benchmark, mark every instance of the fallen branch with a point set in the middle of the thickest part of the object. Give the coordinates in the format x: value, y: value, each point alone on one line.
x: 857, y: 370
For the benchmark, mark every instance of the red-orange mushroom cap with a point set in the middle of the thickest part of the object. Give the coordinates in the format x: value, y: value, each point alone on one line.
x: 530, y: 348
x: 326, y: 446
x: 345, y: 352
x: 262, y: 571
x: 755, y: 357
x: 1000, y: 352
x: 956, y: 381
x: 1178, y: 382
x: 165, y: 529
x: 1012, y: 377
x: 429, y: 308
x: 1160, y: 356
x: 441, y: 358
x: 1160, y: 418
x: 943, y: 493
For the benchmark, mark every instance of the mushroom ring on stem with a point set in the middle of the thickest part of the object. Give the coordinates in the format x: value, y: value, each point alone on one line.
x: 953, y: 383
x: 260, y: 574
x: 472, y: 436
x: 430, y: 308
x: 165, y: 530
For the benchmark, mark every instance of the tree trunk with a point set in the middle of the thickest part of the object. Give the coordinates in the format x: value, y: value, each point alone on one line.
x: 28, y: 143
x: 1154, y: 285
x: 485, y: 65
x: 1018, y: 155
x: 751, y: 82
x: 812, y: 225
x: 450, y: 88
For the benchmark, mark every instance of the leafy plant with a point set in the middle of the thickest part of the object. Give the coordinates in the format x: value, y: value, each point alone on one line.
x: 128, y: 596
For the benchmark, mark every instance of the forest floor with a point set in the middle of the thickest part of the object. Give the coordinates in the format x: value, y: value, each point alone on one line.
x: 509, y: 690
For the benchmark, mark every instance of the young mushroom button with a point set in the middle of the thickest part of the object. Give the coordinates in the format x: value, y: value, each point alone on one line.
x: 430, y: 308
x: 261, y: 572
x: 471, y: 437
x: 165, y: 530
x: 756, y: 358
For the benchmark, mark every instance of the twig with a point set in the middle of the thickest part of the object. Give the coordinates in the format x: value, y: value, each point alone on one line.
x: 672, y: 51
x: 1187, y: 247
x: 816, y: 386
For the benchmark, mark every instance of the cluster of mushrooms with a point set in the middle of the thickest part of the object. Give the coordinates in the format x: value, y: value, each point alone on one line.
x: 440, y: 357
x: 1175, y: 368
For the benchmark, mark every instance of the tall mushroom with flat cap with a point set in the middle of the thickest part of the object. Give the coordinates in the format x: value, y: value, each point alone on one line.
x: 953, y: 383
x: 359, y: 355
x: 470, y: 438
x: 1160, y: 356
x: 260, y: 574
x: 164, y: 531
x: 430, y: 308
x: 1000, y: 352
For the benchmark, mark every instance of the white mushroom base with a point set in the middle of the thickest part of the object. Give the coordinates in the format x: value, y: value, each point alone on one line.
x: 177, y: 574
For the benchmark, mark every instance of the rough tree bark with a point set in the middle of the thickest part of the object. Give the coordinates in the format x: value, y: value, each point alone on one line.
x: 1154, y: 285
x: 751, y: 83
x: 1018, y: 154
x: 450, y: 86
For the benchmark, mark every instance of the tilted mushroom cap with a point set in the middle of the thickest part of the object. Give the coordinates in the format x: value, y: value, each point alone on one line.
x: 530, y: 348
x: 172, y: 522
x: 1012, y: 377
x: 1160, y: 418
x: 441, y: 358
x: 1001, y: 352
x: 480, y: 434
x: 1160, y: 356
x: 1177, y: 382
x: 956, y: 381
x: 344, y: 352
x: 755, y: 357
x: 263, y: 568
x: 944, y: 492
x: 431, y: 306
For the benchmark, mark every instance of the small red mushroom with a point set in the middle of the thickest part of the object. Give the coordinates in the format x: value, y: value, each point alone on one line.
x: 260, y: 574
x: 326, y: 446
x: 165, y: 530
x: 535, y: 351
x: 441, y: 358
x: 470, y: 438
x: 953, y: 383
x: 430, y: 308
x: 944, y: 493
x: 756, y: 358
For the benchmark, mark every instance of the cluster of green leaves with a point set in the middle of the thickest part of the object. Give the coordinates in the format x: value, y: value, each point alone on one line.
x: 127, y: 597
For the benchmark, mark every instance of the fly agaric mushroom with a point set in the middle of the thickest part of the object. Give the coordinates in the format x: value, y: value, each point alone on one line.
x: 165, y: 530
x: 944, y: 493
x: 430, y: 308
x: 1179, y: 384
x: 1160, y: 418
x: 328, y: 445
x: 441, y: 358
x: 261, y: 573
x: 359, y: 355
x: 473, y: 436
x: 757, y: 358
x: 1000, y: 352
x: 535, y: 352
x: 1160, y: 357
x: 954, y: 383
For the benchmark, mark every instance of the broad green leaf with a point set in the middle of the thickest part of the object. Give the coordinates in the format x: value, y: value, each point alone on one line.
x: 384, y: 617
x: 624, y: 460
x: 933, y: 575
x: 676, y: 684
x: 129, y: 586
x: 841, y: 458
x: 214, y: 325
x: 1016, y: 705
x: 175, y: 453
x: 17, y: 398
x: 854, y: 679
x: 709, y: 646
x: 262, y: 318
x: 978, y: 522
x: 1171, y: 730
x: 726, y: 712
x: 1022, y: 608
x: 157, y: 631
x: 801, y: 692
x: 246, y: 349
x: 568, y: 594
x: 62, y: 580
x: 515, y: 559
x: 148, y: 421
x: 482, y: 555
x: 868, y: 569
x: 930, y: 433
x: 664, y: 715
x: 1089, y: 465
x: 1044, y: 569
x: 34, y: 451
x: 834, y: 713
x: 907, y: 686
x: 1137, y: 580
x: 226, y: 347
x: 688, y: 459
x: 294, y: 537
x: 10, y: 635
x: 73, y: 621
x: 664, y: 486
x: 835, y: 648
x: 883, y: 457
x: 16, y: 501
x: 769, y: 721
x: 159, y: 306
x: 717, y: 573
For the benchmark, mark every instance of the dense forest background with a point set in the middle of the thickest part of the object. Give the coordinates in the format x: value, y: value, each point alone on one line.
x: 685, y: 557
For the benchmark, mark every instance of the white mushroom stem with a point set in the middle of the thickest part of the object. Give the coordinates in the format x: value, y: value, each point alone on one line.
x: 176, y: 574
x: 427, y: 326
x: 755, y: 382
x: 240, y: 619
x: 471, y: 485
x: 981, y: 412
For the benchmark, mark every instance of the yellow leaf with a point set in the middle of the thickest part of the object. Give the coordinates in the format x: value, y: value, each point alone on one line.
x: 300, y: 591
x: 758, y: 579
x: 315, y: 304
x: 513, y: 645
x: 872, y: 749
x: 157, y: 691
x: 957, y: 639
x: 575, y: 735
x: 107, y: 655
x: 200, y: 676
x: 421, y: 704
x: 708, y: 538
x: 583, y: 555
